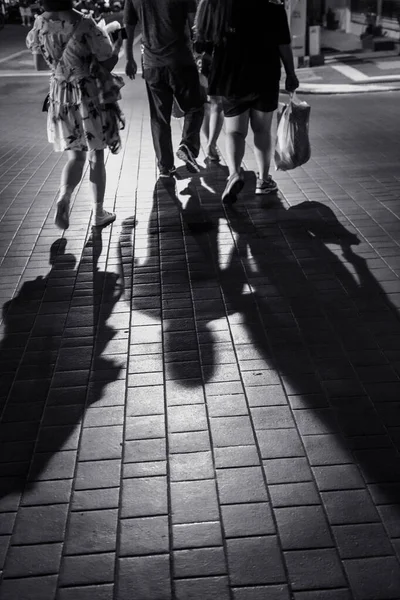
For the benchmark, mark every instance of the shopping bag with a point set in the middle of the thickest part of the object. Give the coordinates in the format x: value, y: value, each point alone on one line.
x: 292, y: 147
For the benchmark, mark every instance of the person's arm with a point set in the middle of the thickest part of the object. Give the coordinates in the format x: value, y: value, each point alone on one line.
x: 130, y: 22
x: 285, y: 50
x: 286, y: 54
x: 34, y: 44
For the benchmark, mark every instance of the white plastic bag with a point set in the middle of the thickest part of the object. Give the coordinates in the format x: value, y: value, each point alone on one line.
x: 108, y: 28
x: 292, y: 147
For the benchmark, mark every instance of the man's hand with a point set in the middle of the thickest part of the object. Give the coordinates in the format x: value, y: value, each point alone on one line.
x: 131, y: 68
x: 292, y: 83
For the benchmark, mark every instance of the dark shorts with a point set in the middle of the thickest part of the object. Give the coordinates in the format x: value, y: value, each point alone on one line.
x: 265, y: 102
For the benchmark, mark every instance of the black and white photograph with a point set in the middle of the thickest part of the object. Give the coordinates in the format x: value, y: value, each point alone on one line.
x: 199, y: 299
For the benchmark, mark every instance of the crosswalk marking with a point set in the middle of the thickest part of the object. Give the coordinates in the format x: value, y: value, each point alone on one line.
x: 15, y: 55
x: 21, y: 73
x: 350, y: 72
x: 387, y: 65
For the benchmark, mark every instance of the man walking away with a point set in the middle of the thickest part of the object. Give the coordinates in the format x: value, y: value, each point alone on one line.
x: 170, y: 71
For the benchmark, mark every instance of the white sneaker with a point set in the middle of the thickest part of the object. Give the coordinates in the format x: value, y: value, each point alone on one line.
x: 187, y: 156
x: 104, y: 218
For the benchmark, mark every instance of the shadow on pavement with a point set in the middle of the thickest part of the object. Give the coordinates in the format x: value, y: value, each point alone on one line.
x: 303, y: 306
x: 53, y: 367
x: 165, y: 274
x: 327, y: 327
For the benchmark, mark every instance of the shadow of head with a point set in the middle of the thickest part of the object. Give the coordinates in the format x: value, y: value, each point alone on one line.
x: 321, y: 222
x: 58, y: 258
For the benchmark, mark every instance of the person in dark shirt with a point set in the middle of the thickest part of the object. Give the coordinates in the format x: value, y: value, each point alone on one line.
x: 169, y: 70
x: 248, y: 40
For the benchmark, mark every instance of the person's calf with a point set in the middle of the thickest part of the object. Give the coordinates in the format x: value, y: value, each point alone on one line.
x: 235, y: 146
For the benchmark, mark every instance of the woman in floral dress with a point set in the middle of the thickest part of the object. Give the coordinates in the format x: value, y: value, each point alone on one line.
x: 79, y: 120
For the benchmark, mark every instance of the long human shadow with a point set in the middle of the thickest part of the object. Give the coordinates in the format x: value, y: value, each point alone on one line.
x: 313, y: 312
x: 52, y: 363
x: 326, y: 326
x: 182, y: 244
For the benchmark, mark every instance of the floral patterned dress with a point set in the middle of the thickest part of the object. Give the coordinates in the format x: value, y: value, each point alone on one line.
x: 78, y: 118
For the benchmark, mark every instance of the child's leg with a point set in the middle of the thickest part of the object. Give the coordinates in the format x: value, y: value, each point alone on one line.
x: 70, y: 177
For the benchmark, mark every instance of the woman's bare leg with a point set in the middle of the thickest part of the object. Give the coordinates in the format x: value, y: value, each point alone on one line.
x: 235, y: 131
x: 98, y: 178
x: 261, y: 123
x: 216, y: 121
x: 70, y: 178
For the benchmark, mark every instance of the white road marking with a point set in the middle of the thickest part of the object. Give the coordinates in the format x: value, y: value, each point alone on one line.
x: 388, y: 64
x: 47, y: 73
x: 307, y: 75
x: 350, y: 72
x: 345, y: 88
x: 11, y: 56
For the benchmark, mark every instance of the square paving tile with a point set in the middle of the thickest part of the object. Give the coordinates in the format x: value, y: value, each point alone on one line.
x: 41, y: 524
x: 231, y: 431
x: 197, y: 535
x: 314, y: 569
x: 244, y: 520
x: 92, y: 531
x: 212, y: 588
x: 244, y: 484
x: 194, y: 501
x: 148, y: 575
x: 87, y: 570
x: 369, y: 577
x: 29, y: 588
x: 193, y: 465
x: 199, y: 562
x: 144, y: 536
x: 255, y: 560
x: 303, y: 527
x: 37, y: 559
x: 144, y: 497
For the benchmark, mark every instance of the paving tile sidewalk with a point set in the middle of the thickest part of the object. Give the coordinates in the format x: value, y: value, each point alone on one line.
x: 199, y: 403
